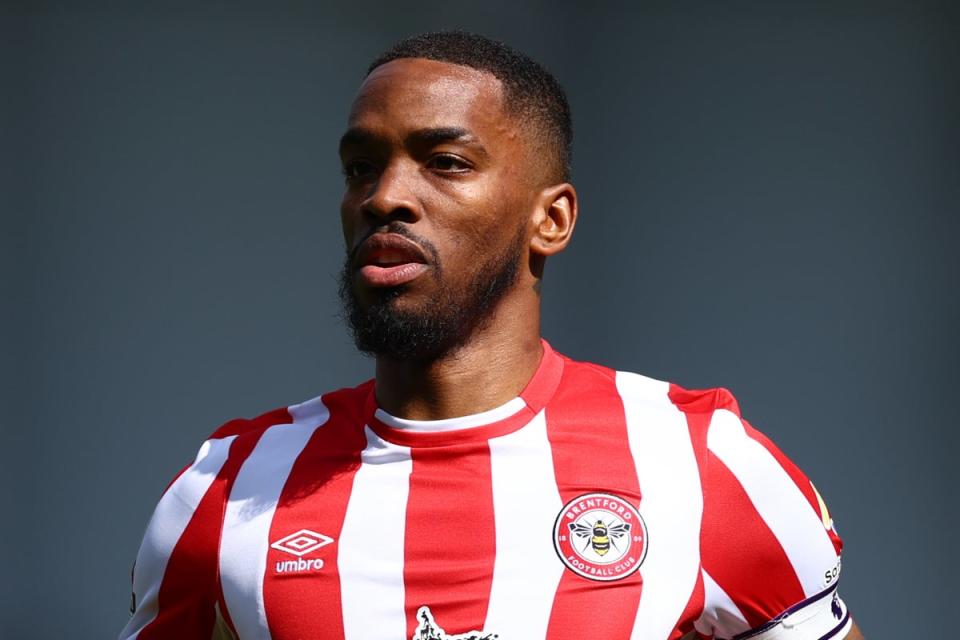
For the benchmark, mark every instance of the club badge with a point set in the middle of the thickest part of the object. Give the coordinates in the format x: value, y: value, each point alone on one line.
x: 600, y: 536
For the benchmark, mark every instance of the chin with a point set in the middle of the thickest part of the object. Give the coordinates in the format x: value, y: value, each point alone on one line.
x: 391, y: 297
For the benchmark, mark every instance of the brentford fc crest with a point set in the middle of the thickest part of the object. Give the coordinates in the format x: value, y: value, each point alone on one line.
x: 600, y: 536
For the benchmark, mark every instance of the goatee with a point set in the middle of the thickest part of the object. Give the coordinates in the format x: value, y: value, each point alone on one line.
x: 439, y: 327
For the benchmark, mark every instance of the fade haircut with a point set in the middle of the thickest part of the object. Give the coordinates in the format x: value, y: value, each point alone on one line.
x: 530, y: 92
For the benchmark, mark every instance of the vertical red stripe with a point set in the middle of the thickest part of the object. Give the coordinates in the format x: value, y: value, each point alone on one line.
x: 698, y: 410
x: 190, y: 587
x: 450, y: 540
x: 587, y: 430
x: 703, y: 401
x: 692, y: 611
x: 315, y: 496
x: 735, y: 537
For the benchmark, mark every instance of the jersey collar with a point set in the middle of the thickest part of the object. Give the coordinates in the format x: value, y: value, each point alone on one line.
x: 476, y: 427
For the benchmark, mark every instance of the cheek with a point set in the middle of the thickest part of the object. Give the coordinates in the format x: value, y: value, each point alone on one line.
x: 468, y: 239
x: 349, y: 215
x: 476, y: 213
x: 464, y: 250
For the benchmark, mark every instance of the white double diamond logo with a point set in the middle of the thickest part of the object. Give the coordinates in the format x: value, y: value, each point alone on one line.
x: 302, y: 542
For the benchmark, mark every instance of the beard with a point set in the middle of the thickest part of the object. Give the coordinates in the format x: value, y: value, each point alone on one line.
x: 440, y: 326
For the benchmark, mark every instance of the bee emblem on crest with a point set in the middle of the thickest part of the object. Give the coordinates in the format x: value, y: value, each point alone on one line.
x: 600, y: 536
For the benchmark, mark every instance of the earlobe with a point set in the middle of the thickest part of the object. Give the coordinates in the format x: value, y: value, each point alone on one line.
x: 555, y: 218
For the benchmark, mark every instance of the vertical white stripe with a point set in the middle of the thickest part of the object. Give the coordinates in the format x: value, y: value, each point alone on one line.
x: 671, y: 502
x: 526, y: 501
x: 779, y: 501
x: 370, y: 554
x: 721, y: 616
x: 249, y: 513
x: 169, y: 520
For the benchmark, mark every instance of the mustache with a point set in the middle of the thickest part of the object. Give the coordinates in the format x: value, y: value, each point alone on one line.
x: 399, y: 229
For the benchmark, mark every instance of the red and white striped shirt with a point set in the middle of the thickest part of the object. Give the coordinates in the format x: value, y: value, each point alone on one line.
x: 598, y: 504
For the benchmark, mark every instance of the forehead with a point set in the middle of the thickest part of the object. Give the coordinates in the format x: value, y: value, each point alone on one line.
x: 416, y: 93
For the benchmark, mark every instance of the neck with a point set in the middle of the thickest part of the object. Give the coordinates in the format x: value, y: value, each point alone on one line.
x: 489, y: 370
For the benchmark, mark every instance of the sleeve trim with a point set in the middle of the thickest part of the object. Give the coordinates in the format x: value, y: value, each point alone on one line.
x: 818, y: 612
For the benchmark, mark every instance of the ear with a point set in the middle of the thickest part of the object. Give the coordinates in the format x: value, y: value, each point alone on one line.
x: 554, y: 218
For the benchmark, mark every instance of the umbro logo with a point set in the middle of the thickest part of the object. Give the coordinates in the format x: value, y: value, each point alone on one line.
x: 299, y: 544
x: 302, y: 542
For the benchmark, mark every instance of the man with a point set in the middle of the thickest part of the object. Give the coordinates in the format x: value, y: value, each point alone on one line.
x: 482, y: 485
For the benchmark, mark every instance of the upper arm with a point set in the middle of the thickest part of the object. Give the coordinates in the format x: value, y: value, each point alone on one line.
x: 176, y: 580
x: 770, y: 554
x: 174, y: 577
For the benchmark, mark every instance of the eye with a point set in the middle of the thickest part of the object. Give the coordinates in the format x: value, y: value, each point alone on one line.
x: 359, y: 169
x: 449, y: 163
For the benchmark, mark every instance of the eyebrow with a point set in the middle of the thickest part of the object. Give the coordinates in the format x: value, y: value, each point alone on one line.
x: 429, y: 136
x: 356, y: 137
x: 440, y: 134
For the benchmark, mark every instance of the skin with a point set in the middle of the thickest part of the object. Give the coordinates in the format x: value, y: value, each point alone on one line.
x: 468, y: 196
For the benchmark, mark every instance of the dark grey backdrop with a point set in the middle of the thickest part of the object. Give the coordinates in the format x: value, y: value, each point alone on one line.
x: 768, y: 203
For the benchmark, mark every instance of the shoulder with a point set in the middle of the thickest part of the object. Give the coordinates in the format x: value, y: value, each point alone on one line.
x: 229, y: 446
x: 235, y: 439
x: 703, y: 400
x: 349, y: 401
x: 232, y: 443
x: 637, y: 388
x: 737, y: 462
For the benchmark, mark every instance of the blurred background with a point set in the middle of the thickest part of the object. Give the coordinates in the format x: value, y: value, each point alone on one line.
x: 769, y: 203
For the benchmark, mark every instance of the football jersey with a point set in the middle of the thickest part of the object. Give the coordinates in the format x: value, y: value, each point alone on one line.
x: 597, y: 504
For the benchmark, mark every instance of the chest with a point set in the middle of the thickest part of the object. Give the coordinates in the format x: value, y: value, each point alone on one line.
x: 516, y: 538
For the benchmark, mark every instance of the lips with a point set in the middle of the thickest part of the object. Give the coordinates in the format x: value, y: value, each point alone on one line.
x: 389, y: 260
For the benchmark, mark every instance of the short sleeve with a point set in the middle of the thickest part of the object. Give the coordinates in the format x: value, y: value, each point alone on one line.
x: 174, y: 576
x: 770, y: 555
x: 176, y: 589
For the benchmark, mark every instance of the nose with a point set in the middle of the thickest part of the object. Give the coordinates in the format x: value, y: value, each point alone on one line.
x: 392, y: 195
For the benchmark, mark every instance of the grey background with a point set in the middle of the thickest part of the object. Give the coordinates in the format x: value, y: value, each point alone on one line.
x: 768, y: 204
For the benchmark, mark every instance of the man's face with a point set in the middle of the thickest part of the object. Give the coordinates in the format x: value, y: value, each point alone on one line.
x: 435, y: 207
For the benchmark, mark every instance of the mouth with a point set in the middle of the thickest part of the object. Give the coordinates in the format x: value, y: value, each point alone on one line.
x: 389, y: 260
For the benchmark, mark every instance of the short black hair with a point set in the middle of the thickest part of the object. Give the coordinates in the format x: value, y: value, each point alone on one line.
x: 530, y: 91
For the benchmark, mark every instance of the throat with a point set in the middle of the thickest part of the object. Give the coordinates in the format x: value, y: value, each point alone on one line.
x: 473, y: 380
